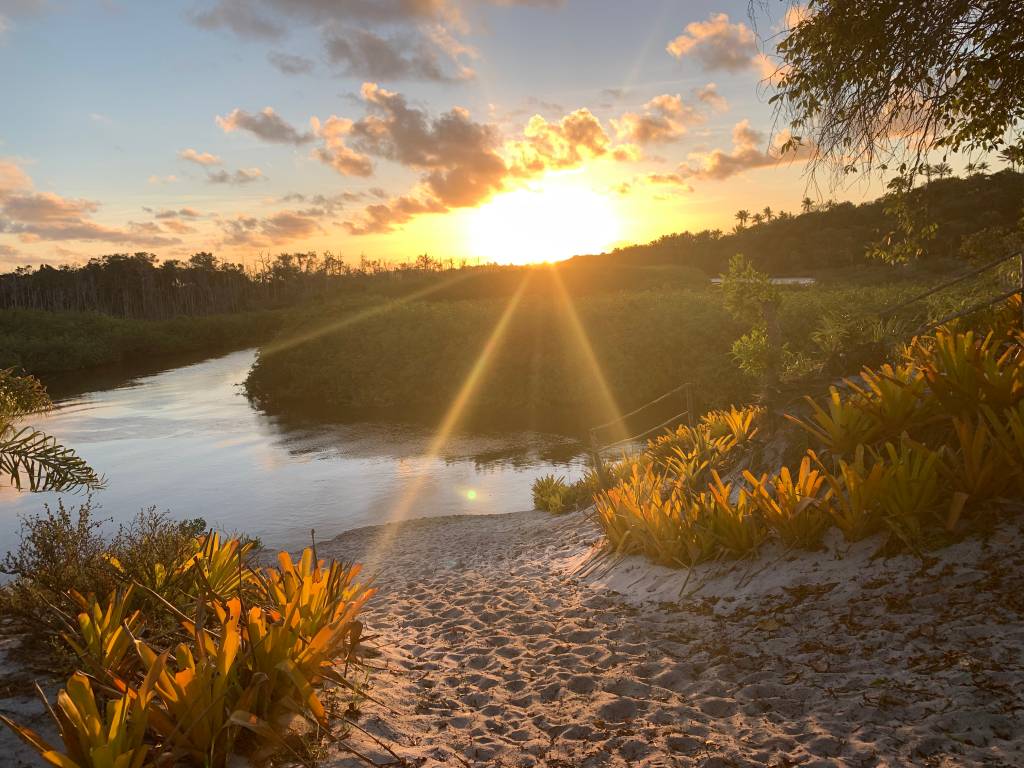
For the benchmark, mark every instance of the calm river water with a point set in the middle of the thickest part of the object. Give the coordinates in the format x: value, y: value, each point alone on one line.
x: 188, y: 441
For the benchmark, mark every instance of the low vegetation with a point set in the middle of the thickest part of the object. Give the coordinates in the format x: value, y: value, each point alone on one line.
x: 185, y: 650
x: 389, y: 357
x: 922, y: 449
x: 42, y: 342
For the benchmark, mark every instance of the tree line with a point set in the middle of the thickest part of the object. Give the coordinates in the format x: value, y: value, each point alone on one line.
x: 966, y: 218
x: 139, y: 286
x: 970, y: 217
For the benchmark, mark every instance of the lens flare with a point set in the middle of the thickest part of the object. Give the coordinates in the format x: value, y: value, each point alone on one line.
x: 449, y: 422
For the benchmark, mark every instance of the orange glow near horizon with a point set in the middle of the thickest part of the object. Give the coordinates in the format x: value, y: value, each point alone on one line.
x: 552, y: 220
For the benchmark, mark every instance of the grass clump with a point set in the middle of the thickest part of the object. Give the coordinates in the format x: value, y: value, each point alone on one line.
x: 553, y: 494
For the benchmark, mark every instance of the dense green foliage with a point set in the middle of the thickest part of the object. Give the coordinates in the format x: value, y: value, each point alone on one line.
x: 138, y: 286
x: 411, y: 358
x: 48, y: 342
x: 841, y: 235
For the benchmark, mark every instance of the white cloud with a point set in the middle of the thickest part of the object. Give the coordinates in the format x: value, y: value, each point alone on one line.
x: 204, y: 159
x: 716, y: 44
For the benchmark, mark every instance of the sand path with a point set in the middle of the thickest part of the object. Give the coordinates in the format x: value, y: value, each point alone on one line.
x: 495, y: 655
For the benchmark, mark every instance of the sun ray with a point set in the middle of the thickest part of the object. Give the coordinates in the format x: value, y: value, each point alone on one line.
x: 608, y: 404
x: 365, y: 314
x: 451, y: 420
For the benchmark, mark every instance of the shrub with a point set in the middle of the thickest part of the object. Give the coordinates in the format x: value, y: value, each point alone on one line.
x: 551, y: 494
x: 842, y: 427
x: 796, y: 509
x: 62, y: 551
x: 226, y: 681
x: 857, y: 491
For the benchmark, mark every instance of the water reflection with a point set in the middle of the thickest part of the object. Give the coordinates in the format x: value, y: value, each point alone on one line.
x: 187, y: 440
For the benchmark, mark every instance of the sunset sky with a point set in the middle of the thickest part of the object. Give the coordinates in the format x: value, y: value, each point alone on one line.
x: 507, y: 130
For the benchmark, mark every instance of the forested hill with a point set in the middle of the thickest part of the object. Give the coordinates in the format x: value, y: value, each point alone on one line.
x: 981, y: 212
x: 840, y: 234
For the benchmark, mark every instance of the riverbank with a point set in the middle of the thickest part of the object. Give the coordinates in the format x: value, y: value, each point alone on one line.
x: 46, y: 343
x: 503, y: 643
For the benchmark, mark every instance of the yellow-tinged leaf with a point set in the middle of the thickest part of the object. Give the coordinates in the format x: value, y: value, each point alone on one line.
x: 956, y: 508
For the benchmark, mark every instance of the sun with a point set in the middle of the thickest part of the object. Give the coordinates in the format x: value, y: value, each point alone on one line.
x: 550, y: 220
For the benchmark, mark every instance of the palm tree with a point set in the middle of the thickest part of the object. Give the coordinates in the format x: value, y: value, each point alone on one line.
x: 1014, y: 156
x: 807, y: 205
x: 757, y: 218
x: 982, y: 166
x: 31, y: 457
x: 942, y: 170
x: 767, y: 211
x: 742, y: 216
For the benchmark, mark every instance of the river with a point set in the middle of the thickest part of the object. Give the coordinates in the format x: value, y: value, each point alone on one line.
x: 188, y: 441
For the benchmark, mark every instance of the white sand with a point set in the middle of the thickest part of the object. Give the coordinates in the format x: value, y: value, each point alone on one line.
x: 497, y: 654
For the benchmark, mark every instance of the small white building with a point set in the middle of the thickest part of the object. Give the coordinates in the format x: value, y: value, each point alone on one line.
x: 778, y: 280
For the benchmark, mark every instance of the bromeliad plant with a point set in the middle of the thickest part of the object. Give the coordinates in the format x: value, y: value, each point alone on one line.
x: 795, y: 508
x: 893, y: 396
x: 964, y: 371
x: 641, y: 515
x: 842, y: 427
x: 732, y: 518
x: 857, y: 487
x: 550, y: 494
x: 912, y: 488
x: 741, y: 424
x: 977, y: 466
x: 105, y: 634
x: 257, y: 650
x: 94, y: 735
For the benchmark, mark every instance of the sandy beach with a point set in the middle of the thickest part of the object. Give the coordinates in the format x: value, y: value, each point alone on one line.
x: 506, y: 643
x: 507, y: 640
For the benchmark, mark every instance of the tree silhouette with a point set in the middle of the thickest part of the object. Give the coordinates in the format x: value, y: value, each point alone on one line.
x: 1014, y: 156
x: 768, y: 213
x: 807, y: 205
x: 743, y: 216
x: 869, y: 86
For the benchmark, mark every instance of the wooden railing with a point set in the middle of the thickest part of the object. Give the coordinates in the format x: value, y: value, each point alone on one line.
x: 1019, y: 288
x: 683, y: 391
